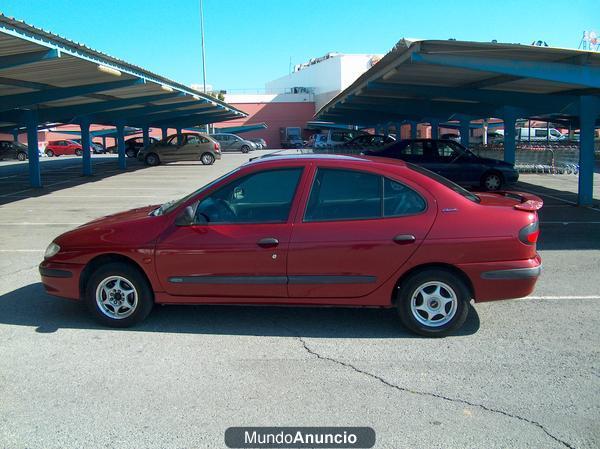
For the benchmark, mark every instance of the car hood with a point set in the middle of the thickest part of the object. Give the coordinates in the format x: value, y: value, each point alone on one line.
x: 495, y: 162
x: 135, y: 226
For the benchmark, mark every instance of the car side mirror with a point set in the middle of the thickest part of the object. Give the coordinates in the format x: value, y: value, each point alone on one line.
x: 186, y: 218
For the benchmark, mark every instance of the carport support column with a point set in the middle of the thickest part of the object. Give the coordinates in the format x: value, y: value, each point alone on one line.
x: 588, y: 112
x: 435, y: 130
x: 15, y: 134
x: 121, y: 146
x: 510, y: 135
x: 146, y: 136
x: 465, y: 130
x: 413, y: 130
x: 164, y: 132
x: 35, y: 177
x: 179, y: 136
x: 84, y: 125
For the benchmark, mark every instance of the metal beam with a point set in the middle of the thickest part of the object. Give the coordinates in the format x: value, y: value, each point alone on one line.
x: 558, y: 72
x: 10, y: 61
x: 35, y: 177
x: 589, y: 109
x: 60, y: 93
x: 192, y: 120
x: 121, y: 145
x: 141, y: 112
x: 554, y: 103
x: 165, y: 118
x: 85, y: 146
x: 65, y: 113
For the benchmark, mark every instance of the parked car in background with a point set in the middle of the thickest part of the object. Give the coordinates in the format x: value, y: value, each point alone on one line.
x: 370, y: 141
x: 233, y: 142
x: 334, y: 138
x: 13, y: 150
x: 97, y: 148
x: 62, y: 148
x: 135, y: 144
x: 365, y: 233
x: 185, y: 147
x: 453, y: 161
x: 261, y: 144
x: 450, y: 136
x: 538, y: 134
x: 291, y: 137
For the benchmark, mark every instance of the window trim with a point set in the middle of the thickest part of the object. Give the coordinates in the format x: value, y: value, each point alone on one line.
x: 381, y: 192
x: 286, y: 221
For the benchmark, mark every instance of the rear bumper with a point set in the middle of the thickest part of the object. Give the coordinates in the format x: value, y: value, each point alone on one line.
x: 503, y: 280
x: 61, y: 279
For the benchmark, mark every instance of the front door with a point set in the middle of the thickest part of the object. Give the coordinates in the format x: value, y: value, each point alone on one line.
x: 358, y: 229
x: 238, y: 246
x: 169, y: 151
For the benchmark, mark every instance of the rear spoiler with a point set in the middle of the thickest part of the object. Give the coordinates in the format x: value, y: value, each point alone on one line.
x: 526, y: 201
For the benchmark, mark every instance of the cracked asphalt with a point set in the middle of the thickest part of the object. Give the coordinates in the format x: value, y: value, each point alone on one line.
x: 521, y: 374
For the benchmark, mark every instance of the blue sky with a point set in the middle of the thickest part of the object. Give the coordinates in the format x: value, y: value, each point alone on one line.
x: 249, y: 42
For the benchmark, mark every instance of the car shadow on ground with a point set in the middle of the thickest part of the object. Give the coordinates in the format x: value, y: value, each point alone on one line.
x: 31, y: 306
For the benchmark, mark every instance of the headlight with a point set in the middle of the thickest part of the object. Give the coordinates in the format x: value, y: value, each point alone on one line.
x: 51, y: 251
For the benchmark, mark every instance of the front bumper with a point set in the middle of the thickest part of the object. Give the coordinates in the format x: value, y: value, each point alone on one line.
x: 61, y: 279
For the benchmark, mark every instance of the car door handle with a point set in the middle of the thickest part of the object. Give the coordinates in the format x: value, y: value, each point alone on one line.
x: 404, y: 239
x: 268, y: 242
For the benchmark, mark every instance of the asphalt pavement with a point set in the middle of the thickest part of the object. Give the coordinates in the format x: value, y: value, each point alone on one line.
x: 521, y: 374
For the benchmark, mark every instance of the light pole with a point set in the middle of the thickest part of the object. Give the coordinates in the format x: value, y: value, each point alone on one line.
x: 203, y: 54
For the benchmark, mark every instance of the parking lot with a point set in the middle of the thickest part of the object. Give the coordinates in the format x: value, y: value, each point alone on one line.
x: 522, y: 373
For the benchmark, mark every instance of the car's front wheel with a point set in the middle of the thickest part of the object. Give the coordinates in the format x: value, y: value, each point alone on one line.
x: 22, y: 157
x: 245, y: 149
x: 130, y: 153
x: 118, y: 295
x: 433, y: 302
x: 491, y: 181
x: 207, y: 159
x: 152, y: 159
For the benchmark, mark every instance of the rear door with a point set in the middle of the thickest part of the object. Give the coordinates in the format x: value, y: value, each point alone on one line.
x: 357, y: 229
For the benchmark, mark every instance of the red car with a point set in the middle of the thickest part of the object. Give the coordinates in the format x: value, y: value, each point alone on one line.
x: 63, y: 147
x: 307, y: 230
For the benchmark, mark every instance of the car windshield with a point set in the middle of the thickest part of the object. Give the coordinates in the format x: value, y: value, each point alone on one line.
x: 444, y: 181
x: 170, y: 206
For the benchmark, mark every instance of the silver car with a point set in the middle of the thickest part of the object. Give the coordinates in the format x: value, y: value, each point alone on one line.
x: 232, y: 142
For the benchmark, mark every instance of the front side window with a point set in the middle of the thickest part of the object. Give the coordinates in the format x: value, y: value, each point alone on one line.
x: 172, y: 140
x: 263, y: 197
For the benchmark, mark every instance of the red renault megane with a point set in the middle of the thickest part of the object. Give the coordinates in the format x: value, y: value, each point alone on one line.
x: 307, y: 230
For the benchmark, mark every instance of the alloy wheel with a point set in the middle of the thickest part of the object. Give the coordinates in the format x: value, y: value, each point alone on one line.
x: 434, y: 304
x: 116, y: 297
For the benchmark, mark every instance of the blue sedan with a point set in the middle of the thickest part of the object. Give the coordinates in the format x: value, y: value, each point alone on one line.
x: 453, y: 161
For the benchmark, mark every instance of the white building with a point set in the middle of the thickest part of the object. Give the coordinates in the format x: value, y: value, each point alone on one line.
x: 323, y: 77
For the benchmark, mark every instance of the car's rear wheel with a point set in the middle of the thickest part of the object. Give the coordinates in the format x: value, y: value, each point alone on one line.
x: 152, y: 159
x: 433, y: 302
x: 21, y: 157
x: 49, y: 153
x: 78, y: 152
x: 207, y: 159
x: 245, y: 149
x: 118, y: 295
x: 492, y: 181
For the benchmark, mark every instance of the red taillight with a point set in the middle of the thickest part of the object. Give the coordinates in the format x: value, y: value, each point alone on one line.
x: 217, y: 148
x: 530, y: 233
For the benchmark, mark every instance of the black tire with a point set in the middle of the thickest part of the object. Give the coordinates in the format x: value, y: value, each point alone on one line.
x: 21, y: 156
x: 130, y: 153
x: 152, y: 159
x: 245, y: 149
x: 457, y: 310
x: 132, y: 278
x: 492, y: 181
x: 49, y: 153
x: 78, y: 152
x: 207, y: 159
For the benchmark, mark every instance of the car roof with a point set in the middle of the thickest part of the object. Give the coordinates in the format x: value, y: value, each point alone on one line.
x: 325, y: 157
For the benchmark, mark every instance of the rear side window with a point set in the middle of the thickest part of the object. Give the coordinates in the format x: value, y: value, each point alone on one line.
x: 355, y: 195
